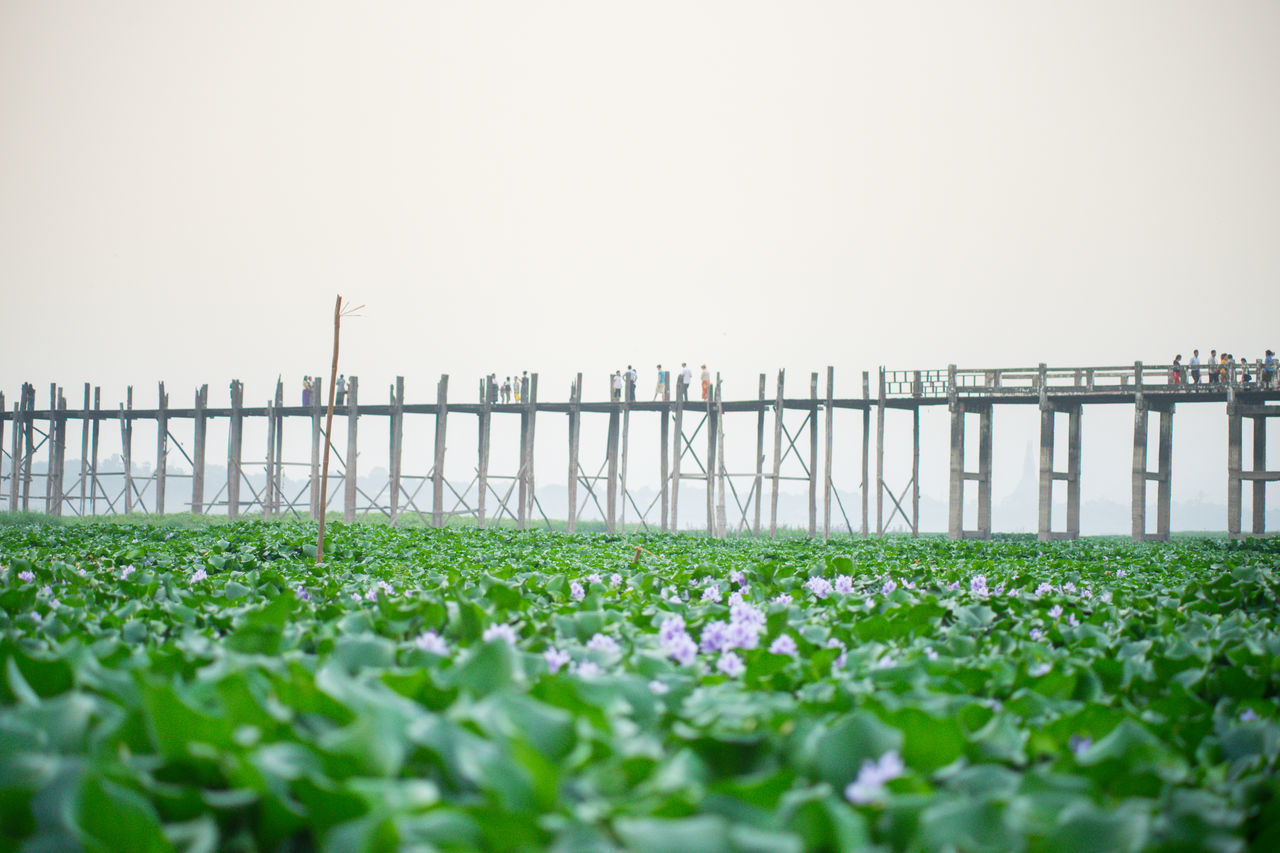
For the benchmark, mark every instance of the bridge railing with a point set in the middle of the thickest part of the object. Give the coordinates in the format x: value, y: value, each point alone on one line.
x: 1028, y: 380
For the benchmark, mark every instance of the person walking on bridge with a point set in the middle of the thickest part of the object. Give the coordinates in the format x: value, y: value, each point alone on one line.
x: 661, y: 389
x: 1195, y: 367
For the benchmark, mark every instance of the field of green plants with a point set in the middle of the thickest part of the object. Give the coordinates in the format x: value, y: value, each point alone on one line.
x: 212, y: 689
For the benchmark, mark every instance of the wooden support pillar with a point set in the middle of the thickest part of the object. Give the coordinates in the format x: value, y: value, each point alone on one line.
x: 235, y: 440
x: 721, y: 520
x: 2, y: 422
x: 955, y: 498
x: 985, y: 418
x: 915, y: 467
x: 162, y: 447
x: 396, y: 437
x: 1259, y: 465
x: 268, y: 491
x: 50, y: 482
x: 681, y: 393
x: 437, y: 470
x: 880, y: 459
x: 126, y: 448
x: 278, y: 466
x: 482, y: 450
x: 94, y: 485
x: 1046, y: 472
x: 711, y: 464
x: 866, y: 451
x: 622, y: 474
x: 15, y: 454
x: 351, y: 471
x: 530, y: 484
x: 575, y: 429
x: 29, y: 431
x: 199, y: 429
x: 758, y: 486
x: 664, y: 456
x: 611, y: 486
x: 522, y: 481
x: 58, y: 454
x: 777, y: 455
x: 84, y: 446
x: 813, y: 455
x: 1074, y: 414
x: 1164, y: 485
x: 1138, y: 510
x: 1234, y: 460
x: 317, y: 444
x: 826, y: 471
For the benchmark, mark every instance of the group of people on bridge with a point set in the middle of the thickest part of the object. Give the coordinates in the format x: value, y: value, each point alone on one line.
x: 1223, y: 369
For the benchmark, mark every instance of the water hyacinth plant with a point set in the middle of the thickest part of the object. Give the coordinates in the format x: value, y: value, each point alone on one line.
x: 209, y: 689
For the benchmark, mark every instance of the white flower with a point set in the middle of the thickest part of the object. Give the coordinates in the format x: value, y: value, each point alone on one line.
x: 586, y: 668
x: 432, y: 642
x: 783, y: 645
x: 199, y: 575
x: 731, y: 665
x: 1073, y: 621
x: 869, y: 601
x: 1040, y: 669
x: 355, y: 596
x: 603, y: 644
x: 500, y: 632
x: 124, y: 573
x: 555, y: 659
x: 869, y: 786
x: 658, y: 688
x: 930, y: 653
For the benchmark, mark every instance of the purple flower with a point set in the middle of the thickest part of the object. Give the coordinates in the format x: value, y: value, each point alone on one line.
x: 1037, y: 634
x: 615, y: 580
x: 299, y: 591
x: 782, y: 598
x: 1121, y: 573
x: 712, y: 594
x: 844, y: 585
x: 198, y: 575
x: 555, y: 659
x: 784, y: 644
x: 889, y: 586
x: 1055, y: 612
x: 595, y: 578
x: 1069, y: 588
x: 1105, y: 598
x: 978, y: 585
x: 124, y: 573
x: 576, y: 591
x: 386, y: 587
x: 820, y: 587
x: 432, y: 642
x: 715, y: 637
x: 1044, y: 588
x: 741, y: 635
x: 731, y: 665
x: 1073, y: 621
x: 1078, y: 744
x: 1248, y: 715
x: 500, y: 632
x: 672, y: 627
x: 906, y: 584
x: 869, y: 786
x: 45, y: 590
x: 355, y: 596
x: 869, y: 601
x: 953, y: 586
x: 372, y: 594
x: 586, y: 669
x: 682, y: 649
x: 736, y: 577
x: 603, y: 644
x: 747, y: 614
x: 658, y: 688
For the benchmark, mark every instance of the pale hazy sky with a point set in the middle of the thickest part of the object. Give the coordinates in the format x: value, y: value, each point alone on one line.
x: 563, y: 186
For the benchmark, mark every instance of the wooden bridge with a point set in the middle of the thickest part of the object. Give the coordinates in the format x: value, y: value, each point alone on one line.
x: 491, y: 496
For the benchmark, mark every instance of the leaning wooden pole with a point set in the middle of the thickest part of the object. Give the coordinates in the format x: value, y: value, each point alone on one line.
x: 328, y: 429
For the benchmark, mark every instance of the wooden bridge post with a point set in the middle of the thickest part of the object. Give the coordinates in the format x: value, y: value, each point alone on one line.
x: 351, y: 471
x: 277, y: 465
x: 777, y: 456
x: 679, y: 453
x: 915, y: 467
x: 234, y: 442
x: 866, y: 450
x: 611, y: 486
x: 827, y: 447
x: 84, y: 446
x: 813, y: 455
x: 712, y: 428
x: 664, y: 460
x: 395, y: 413
x: 522, y: 482
x: 955, y: 500
x: 757, y: 488
x: 1046, y: 458
x: 2, y: 422
x: 316, y: 428
x: 94, y: 485
x: 1234, y: 464
x: 533, y: 423
x: 1138, y: 501
x: 268, y: 492
x: 1164, y: 486
x: 482, y: 449
x: 437, y: 471
x: 1074, y: 414
x: 58, y: 455
x: 200, y: 425
x: 162, y: 447
x: 575, y: 428
x: 126, y: 447
x: 15, y: 454
x: 29, y: 440
x: 880, y: 459
x: 721, y: 520
x: 627, y: 399
x: 1259, y: 465
x: 985, y: 418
